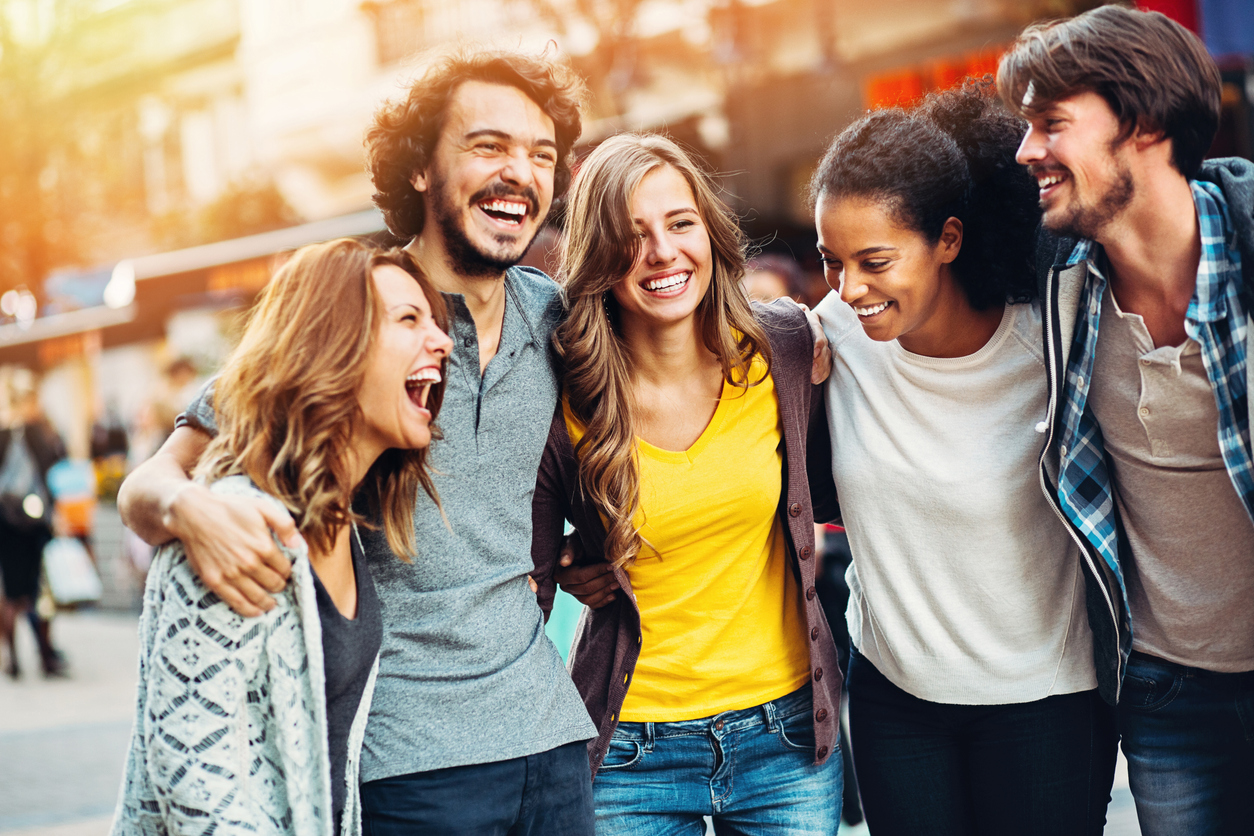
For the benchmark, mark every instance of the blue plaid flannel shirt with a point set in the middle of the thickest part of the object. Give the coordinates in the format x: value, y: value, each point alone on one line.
x: 1218, y: 322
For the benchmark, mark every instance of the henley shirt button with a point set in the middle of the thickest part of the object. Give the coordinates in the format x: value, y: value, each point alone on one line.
x: 820, y: 715
x: 1144, y: 362
x: 810, y: 593
x: 806, y: 551
x: 822, y: 752
x: 818, y: 674
x: 794, y: 510
x: 814, y: 634
x: 468, y: 341
x: 1144, y: 410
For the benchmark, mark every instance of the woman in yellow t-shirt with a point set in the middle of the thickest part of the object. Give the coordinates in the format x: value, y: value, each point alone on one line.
x: 679, y: 455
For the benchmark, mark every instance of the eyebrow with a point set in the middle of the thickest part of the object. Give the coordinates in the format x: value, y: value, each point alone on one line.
x: 684, y: 211
x: 502, y: 135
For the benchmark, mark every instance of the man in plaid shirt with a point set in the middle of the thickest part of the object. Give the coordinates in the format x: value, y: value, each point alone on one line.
x: 1147, y: 271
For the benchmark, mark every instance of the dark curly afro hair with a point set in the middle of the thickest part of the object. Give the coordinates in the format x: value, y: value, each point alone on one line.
x: 952, y: 156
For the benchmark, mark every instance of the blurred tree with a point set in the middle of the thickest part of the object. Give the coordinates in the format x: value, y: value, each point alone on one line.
x: 602, y: 40
x: 245, y: 207
x: 38, y: 127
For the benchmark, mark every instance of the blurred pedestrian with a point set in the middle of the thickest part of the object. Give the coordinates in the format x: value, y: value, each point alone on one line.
x: 327, y: 405
x: 679, y: 455
x: 1148, y: 271
x: 28, y: 450
x: 972, y: 693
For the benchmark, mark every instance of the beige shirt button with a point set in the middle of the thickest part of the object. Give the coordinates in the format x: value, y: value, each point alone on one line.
x: 1144, y: 411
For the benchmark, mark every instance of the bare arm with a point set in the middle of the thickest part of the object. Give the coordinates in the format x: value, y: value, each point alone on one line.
x: 228, y: 539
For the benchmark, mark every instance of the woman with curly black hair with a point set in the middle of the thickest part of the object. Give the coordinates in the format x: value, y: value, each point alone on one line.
x: 971, y: 684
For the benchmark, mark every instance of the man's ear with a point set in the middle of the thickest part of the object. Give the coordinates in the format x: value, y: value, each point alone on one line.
x: 419, y: 181
x: 1144, y: 137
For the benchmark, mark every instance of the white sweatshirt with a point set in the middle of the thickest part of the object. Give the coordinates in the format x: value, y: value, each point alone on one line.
x: 966, y: 588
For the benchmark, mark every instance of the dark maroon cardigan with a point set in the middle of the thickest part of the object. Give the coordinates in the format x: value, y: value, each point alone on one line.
x: 607, y: 644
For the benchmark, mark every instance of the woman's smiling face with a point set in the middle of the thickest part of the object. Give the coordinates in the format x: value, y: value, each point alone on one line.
x: 898, y: 283
x: 673, y: 267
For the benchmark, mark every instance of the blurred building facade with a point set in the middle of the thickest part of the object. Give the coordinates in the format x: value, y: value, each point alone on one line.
x: 207, y: 137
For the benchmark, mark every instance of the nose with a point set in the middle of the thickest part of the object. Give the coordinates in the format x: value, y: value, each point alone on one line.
x: 659, y: 249
x: 440, y: 343
x: 851, y: 288
x: 517, y: 168
x: 1031, y: 149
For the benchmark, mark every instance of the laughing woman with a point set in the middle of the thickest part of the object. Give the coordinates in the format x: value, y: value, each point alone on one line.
x: 972, y: 698
x: 254, y: 725
x: 679, y: 455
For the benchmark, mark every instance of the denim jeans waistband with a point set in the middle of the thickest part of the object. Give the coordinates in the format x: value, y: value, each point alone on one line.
x: 1240, y: 680
x: 768, y: 713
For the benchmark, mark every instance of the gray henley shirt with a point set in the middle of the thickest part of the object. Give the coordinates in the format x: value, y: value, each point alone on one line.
x: 466, y: 673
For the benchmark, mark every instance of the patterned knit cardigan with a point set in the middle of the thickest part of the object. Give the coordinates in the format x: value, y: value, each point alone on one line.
x: 231, y: 719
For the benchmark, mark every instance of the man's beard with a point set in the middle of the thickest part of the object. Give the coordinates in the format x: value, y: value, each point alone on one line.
x: 464, y: 256
x: 1087, y: 221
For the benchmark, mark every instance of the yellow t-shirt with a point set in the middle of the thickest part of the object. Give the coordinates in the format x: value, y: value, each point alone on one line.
x: 723, y: 626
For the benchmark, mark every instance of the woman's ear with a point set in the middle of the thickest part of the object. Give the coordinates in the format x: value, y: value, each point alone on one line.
x: 950, y: 242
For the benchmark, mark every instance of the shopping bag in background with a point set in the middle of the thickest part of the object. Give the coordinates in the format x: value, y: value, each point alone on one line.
x: 73, y: 486
x: 71, y: 574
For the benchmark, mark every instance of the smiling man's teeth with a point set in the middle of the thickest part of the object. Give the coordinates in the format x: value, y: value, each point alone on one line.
x: 666, y: 282
x: 1049, y: 180
x: 870, y: 310
x: 507, y: 207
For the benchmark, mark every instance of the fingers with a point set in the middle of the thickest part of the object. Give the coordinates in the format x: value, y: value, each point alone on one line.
x: 535, y: 588
x: 822, y: 366
x: 281, y: 523
x: 593, y: 586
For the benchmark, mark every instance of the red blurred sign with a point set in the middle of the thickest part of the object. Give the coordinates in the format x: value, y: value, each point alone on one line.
x: 1183, y: 12
x: 904, y: 86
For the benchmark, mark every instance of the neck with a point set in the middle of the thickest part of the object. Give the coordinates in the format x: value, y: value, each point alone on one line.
x: 484, y: 295
x: 956, y: 329
x: 1154, y: 245
x: 667, y: 353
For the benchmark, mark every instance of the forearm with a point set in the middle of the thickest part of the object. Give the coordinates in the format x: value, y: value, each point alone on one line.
x: 150, y: 497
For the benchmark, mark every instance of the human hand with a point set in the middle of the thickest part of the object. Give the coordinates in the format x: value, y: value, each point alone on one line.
x: 822, y: 367
x: 230, y: 547
x: 593, y: 586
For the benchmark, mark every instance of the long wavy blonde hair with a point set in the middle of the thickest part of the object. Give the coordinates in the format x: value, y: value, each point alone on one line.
x: 287, y: 405
x: 599, y: 249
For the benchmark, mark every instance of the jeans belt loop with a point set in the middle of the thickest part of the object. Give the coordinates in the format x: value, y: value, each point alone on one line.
x: 771, y: 714
x: 648, y: 737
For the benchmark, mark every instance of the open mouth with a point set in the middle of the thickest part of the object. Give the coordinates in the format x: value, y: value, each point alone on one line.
x: 668, y: 285
x: 865, y: 312
x: 418, y: 385
x: 1048, y: 181
x: 510, y: 213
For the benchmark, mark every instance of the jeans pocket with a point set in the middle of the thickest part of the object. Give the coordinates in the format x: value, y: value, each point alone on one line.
x: 797, y: 732
x: 1149, y: 689
x: 622, y: 754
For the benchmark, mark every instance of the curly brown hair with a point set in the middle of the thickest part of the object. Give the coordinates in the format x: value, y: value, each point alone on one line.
x: 403, y: 136
x: 287, y: 398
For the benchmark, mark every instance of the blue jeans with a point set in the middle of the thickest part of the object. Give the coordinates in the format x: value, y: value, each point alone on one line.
x: 1041, y: 768
x: 752, y: 770
x: 1188, y: 735
x: 545, y: 794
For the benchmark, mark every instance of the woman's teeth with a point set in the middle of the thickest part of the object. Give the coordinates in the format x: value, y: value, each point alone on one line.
x: 667, y: 282
x: 418, y: 385
x: 870, y: 310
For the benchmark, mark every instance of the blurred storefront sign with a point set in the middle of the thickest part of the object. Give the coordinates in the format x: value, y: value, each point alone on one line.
x: 906, y: 85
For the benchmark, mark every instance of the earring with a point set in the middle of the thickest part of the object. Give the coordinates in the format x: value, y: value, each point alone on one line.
x: 605, y: 306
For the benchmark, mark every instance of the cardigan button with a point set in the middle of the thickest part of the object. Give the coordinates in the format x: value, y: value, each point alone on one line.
x: 820, y: 715
x: 810, y: 593
x: 806, y: 551
x: 822, y: 752
x: 794, y: 510
x: 818, y: 674
x: 814, y: 634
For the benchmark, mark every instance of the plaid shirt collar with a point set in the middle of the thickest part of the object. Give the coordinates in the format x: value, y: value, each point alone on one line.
x: 1215, y: 319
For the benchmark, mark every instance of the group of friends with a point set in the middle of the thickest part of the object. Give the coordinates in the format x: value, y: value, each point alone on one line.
x: 1027, y: 399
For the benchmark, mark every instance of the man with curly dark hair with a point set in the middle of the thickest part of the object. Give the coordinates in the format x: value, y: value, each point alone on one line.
x: 1147, y: 276
x: 475, y: 725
